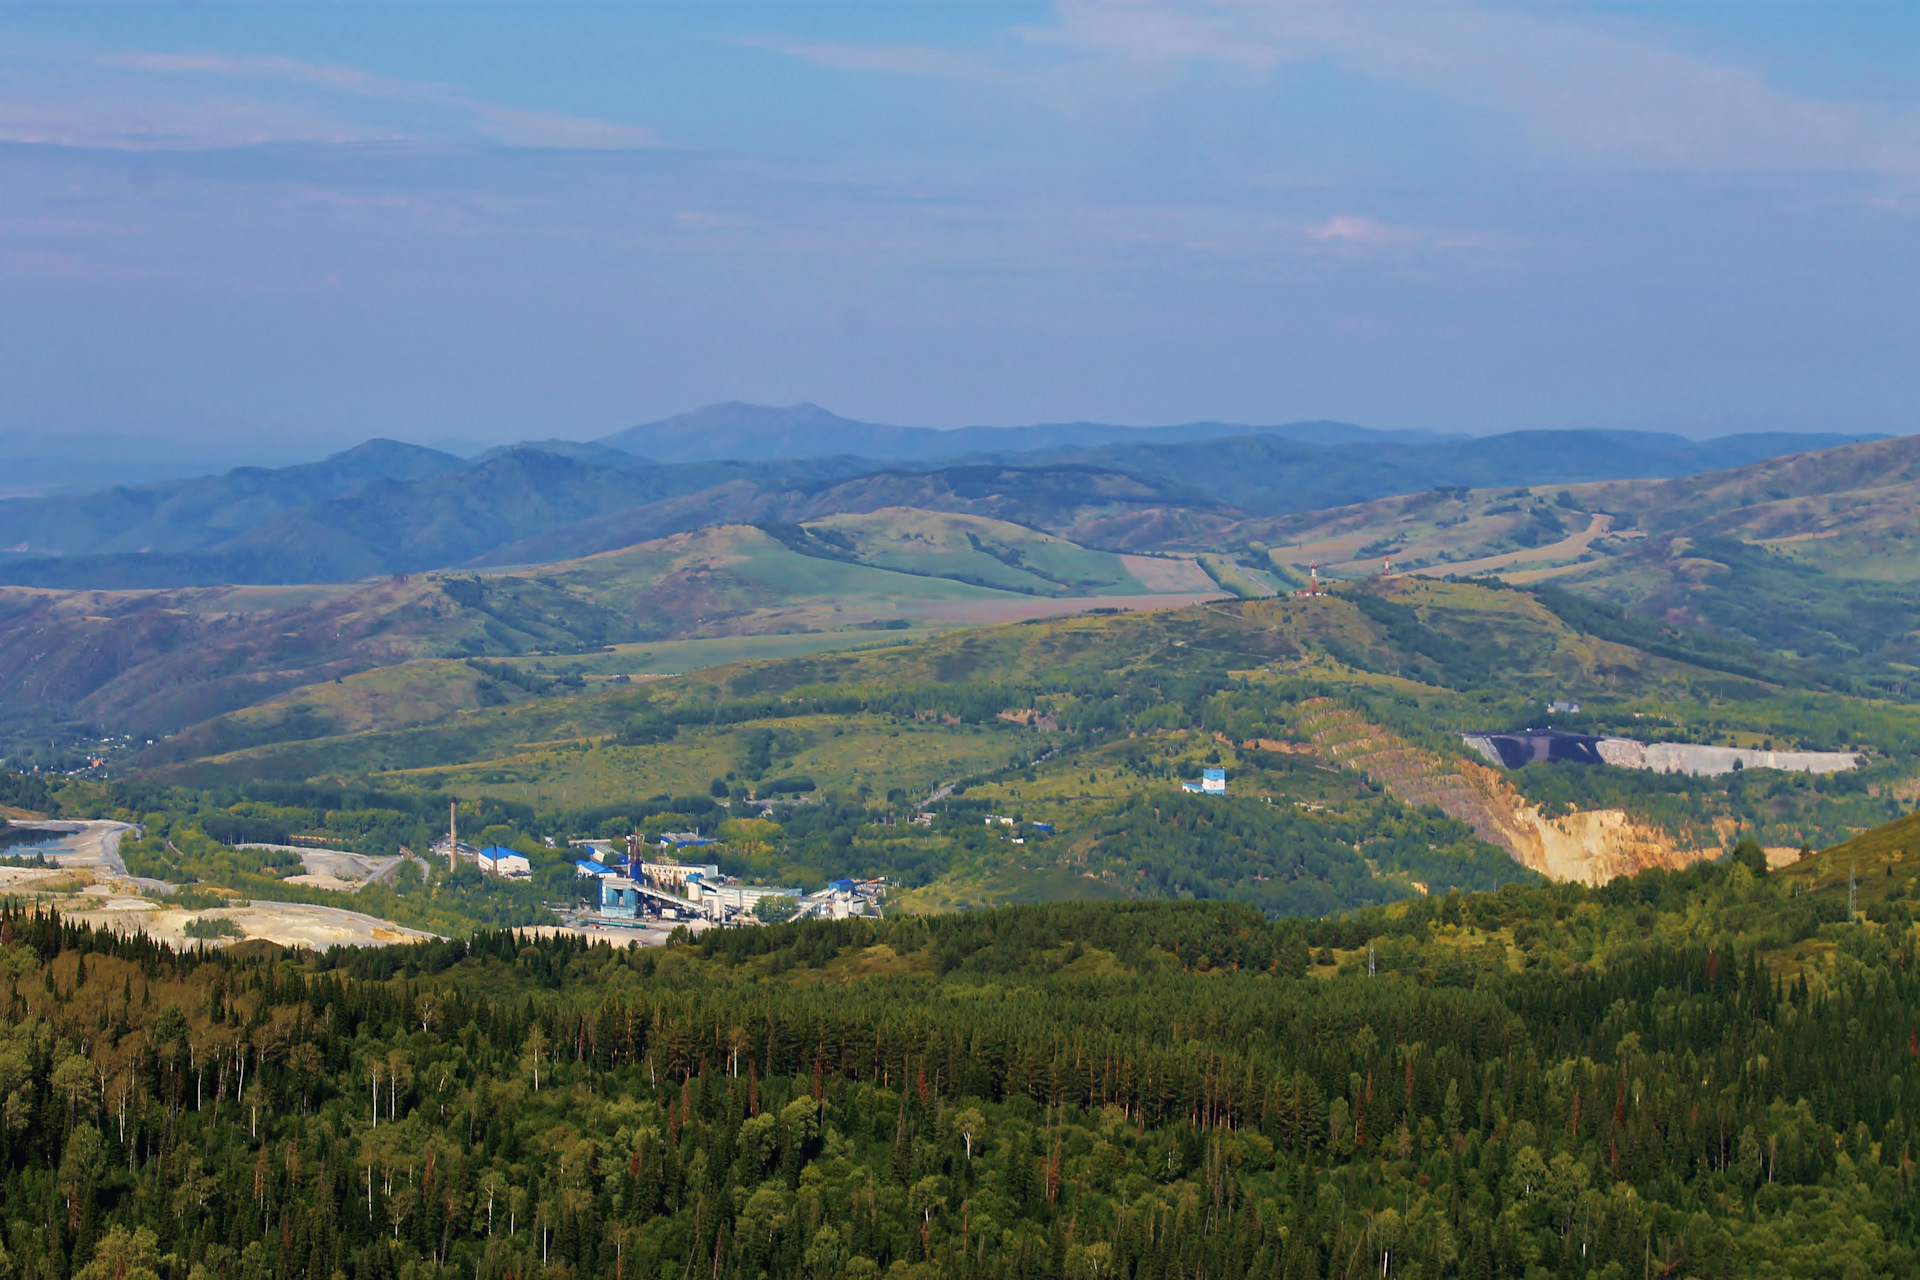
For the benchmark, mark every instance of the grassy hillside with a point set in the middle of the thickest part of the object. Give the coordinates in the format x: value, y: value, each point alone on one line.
x: 153, y: 662
x: 1091, y: 505
x: 737, y: 580
x: 408, y: 693
x: 1439, y: 530
x: 1089, y: 724
x: 1807, y: 556
x: 974, y: 549
x: 160, y: 661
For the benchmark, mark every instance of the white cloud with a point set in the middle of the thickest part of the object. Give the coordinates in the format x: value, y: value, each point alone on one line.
x: 1356, y: 232
x: 1349, y: 229
x: 553, y: 130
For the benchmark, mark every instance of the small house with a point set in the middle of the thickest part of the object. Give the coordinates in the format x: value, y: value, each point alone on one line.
x: 1213, y: 782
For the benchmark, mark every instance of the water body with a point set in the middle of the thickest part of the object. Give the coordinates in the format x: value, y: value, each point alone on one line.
x: 25, y: 841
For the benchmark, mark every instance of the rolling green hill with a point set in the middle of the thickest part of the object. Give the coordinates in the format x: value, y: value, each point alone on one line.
x: 160, y: 661
x: 1344, y: 708
x: 975, y: 549
x: 1091, y: 505
x: 1807, y: 556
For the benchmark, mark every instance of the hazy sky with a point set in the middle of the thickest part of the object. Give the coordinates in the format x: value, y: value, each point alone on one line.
x: 497, y: 221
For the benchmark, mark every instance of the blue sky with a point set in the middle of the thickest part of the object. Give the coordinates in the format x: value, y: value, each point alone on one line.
x: 281, y: 223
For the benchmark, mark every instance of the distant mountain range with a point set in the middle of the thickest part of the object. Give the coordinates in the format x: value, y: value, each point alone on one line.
x: 1808, y: 554
x: 188, y: 515
x: 385, y: 507
x: 38, y: 462
x: 1269, y: 475
x: 735, y: 430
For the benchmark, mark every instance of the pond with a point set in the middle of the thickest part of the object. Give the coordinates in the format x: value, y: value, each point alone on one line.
x: 19, y: 841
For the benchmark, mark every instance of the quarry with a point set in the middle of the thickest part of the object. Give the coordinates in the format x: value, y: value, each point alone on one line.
x: 1537, y: 746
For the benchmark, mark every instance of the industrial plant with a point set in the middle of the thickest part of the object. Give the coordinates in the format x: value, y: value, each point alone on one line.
x: 636, y: 887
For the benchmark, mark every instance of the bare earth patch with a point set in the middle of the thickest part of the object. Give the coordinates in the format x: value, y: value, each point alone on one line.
x: 1178, y: 575
x: 290, y: 924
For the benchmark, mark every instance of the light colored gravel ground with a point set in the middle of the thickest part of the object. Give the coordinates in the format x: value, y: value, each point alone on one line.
x: 91, y: 885
x: 335, y: 869
x: 291, y: 924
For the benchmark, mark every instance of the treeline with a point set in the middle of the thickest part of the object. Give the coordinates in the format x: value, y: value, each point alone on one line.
x: 1288, y: 861
x: 1643, y: 1084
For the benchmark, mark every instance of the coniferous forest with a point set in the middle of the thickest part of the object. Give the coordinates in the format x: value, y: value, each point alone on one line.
x: 1700, y: 1073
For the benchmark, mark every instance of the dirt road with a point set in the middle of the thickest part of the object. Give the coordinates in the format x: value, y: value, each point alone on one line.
x: 1565, y: 549
x: 114, y: 899
x: 95, y: 847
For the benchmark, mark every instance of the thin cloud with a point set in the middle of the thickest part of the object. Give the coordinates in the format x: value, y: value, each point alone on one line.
x: 129, y: 120
x: 116, y: 121
x: 319, y: 74
x: 893, y: 59
x: 553, y: 130
x: 1348, y: 229
x: 1357, y: 232
x: 1578, y: 87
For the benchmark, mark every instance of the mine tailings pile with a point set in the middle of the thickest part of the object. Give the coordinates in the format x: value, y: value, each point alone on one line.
x: 1534, y: 746
x: 1591, y: 846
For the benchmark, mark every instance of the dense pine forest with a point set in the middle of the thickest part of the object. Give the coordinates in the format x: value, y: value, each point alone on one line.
x: 1682, y: 1074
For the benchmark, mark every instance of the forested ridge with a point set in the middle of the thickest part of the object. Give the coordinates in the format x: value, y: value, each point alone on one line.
x: 1699, y: 1073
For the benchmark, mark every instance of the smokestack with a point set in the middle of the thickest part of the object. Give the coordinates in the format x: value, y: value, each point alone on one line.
x: 453, y: 835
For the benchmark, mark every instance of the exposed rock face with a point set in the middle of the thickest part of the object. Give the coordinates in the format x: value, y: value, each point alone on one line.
x: 1592, y: 847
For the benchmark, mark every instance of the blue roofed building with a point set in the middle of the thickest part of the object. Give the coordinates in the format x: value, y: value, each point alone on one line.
x: 1213, y: 782
x: 498, y: 860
